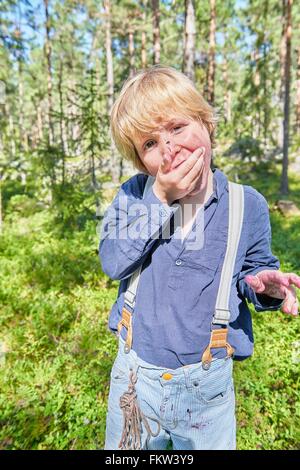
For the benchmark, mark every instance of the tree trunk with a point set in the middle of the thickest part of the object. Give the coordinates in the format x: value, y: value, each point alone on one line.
x: 37, y: 133
x: 93, y: 56
x: 116, y: 166
x: 131, y: 50
x: 48, y: 52
x: 256, y: 121
x: 1, y: 222
x: 73, y: 128
x: 297, y: 123
x: 227, y: 92
x: 284, y: 189
x: 265, y: 98
x: 62, y: 129
x: 39, y: 117
x: 144, y: 37
x: 156, y: 32
x: 11, y: 132
x: 22, y: 131
x: 212, y: 54
x: 282, y: 53
x: 189, y: 39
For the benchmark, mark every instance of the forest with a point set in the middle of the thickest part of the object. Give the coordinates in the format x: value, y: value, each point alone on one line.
x: 62, y: 64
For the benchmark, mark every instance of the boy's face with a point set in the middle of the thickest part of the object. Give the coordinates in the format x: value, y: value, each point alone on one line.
x: 179, y: 138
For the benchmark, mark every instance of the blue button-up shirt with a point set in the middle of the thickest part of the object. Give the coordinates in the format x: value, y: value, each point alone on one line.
x: 178, y: 287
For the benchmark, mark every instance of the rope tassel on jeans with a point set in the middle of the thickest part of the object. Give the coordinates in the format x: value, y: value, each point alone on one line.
x: 133, y: 418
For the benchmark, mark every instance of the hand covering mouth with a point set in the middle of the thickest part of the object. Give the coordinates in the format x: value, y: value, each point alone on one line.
x: 177, y: 164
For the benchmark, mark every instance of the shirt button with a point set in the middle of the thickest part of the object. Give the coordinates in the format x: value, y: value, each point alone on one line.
x: 162, y: 211
x: 178, y: 262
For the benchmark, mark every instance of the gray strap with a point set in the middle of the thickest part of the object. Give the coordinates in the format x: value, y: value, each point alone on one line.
x: 130, y: 294
x: 236, y: 215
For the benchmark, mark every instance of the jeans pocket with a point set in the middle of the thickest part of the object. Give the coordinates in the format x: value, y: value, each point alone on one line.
x: 119, y: 371
x: 215, y: 387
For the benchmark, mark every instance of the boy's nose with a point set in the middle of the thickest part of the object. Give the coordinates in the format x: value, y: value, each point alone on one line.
x: 169, y: 146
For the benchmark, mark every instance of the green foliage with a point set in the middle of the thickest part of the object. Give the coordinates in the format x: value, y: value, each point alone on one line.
x: 55, y: 302
x: 73, y: 206
x: 53, y: 320
x: 22, y: 204
x: 246, y: 148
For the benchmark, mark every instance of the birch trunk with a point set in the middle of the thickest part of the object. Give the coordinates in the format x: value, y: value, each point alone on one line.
x: 284, y: 188
x: 1, y: 222
x: 62, y: 129
x: 115, y: 161
x: 48, y: 52
x: 144, y: 37
x: 156, y: 31
x: 11, y: 131
x: 189, y: 39
x: 297, y: 123
x: 22, y: 131
x: 227, y: 92
x: 131, y: 50
x: 212, y: 54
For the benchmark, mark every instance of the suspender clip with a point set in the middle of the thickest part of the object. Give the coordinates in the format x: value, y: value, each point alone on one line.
x: 126, y: 321
x: 218, y: 339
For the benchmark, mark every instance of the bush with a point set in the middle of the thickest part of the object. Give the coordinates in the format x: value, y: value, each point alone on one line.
x: 23, y: 205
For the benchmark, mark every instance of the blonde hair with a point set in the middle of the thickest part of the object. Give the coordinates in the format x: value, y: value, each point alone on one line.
x: 151, y: 97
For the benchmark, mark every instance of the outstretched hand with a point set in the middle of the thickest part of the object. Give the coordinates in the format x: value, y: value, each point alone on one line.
x: 279, y: 285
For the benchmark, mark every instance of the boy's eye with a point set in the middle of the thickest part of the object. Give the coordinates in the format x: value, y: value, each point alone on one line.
x: 178, y: 127
x: 148, y: 144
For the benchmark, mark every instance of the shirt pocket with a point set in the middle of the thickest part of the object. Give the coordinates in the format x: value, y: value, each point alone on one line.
x: 211, y: 255
x: 200, y: 269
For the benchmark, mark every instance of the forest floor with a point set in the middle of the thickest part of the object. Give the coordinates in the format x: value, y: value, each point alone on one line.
x: 57, y: 352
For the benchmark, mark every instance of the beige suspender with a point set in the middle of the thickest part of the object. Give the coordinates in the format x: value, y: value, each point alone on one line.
x: 218, y: 338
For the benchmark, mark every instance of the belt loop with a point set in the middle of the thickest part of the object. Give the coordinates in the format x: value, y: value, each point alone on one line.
x: 187, y: 376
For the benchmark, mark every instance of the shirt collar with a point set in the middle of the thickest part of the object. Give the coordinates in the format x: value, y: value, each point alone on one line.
x: 220, y: 183
x: 219, y: 186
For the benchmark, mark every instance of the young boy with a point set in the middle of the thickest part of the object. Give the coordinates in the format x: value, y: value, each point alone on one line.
x: 172, y: 378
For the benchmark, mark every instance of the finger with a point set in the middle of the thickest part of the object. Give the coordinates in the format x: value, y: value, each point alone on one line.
x: 274, y: 276
x: 295, y: 308
x: 194, y: 174
x: 290, y: 300
x: 186, y: 166
x: 255, y: 282
x: 294, y: 279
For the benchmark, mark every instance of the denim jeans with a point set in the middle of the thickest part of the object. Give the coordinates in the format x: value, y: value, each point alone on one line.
x: 195, y: 407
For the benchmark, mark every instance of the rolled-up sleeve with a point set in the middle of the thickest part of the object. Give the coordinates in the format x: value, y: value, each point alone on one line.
x: 259, y: 257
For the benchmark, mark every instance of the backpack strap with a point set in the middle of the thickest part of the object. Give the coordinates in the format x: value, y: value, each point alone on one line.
x: 218, y: 338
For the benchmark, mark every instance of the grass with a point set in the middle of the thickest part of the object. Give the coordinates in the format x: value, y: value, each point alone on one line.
x: 54, y: 308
